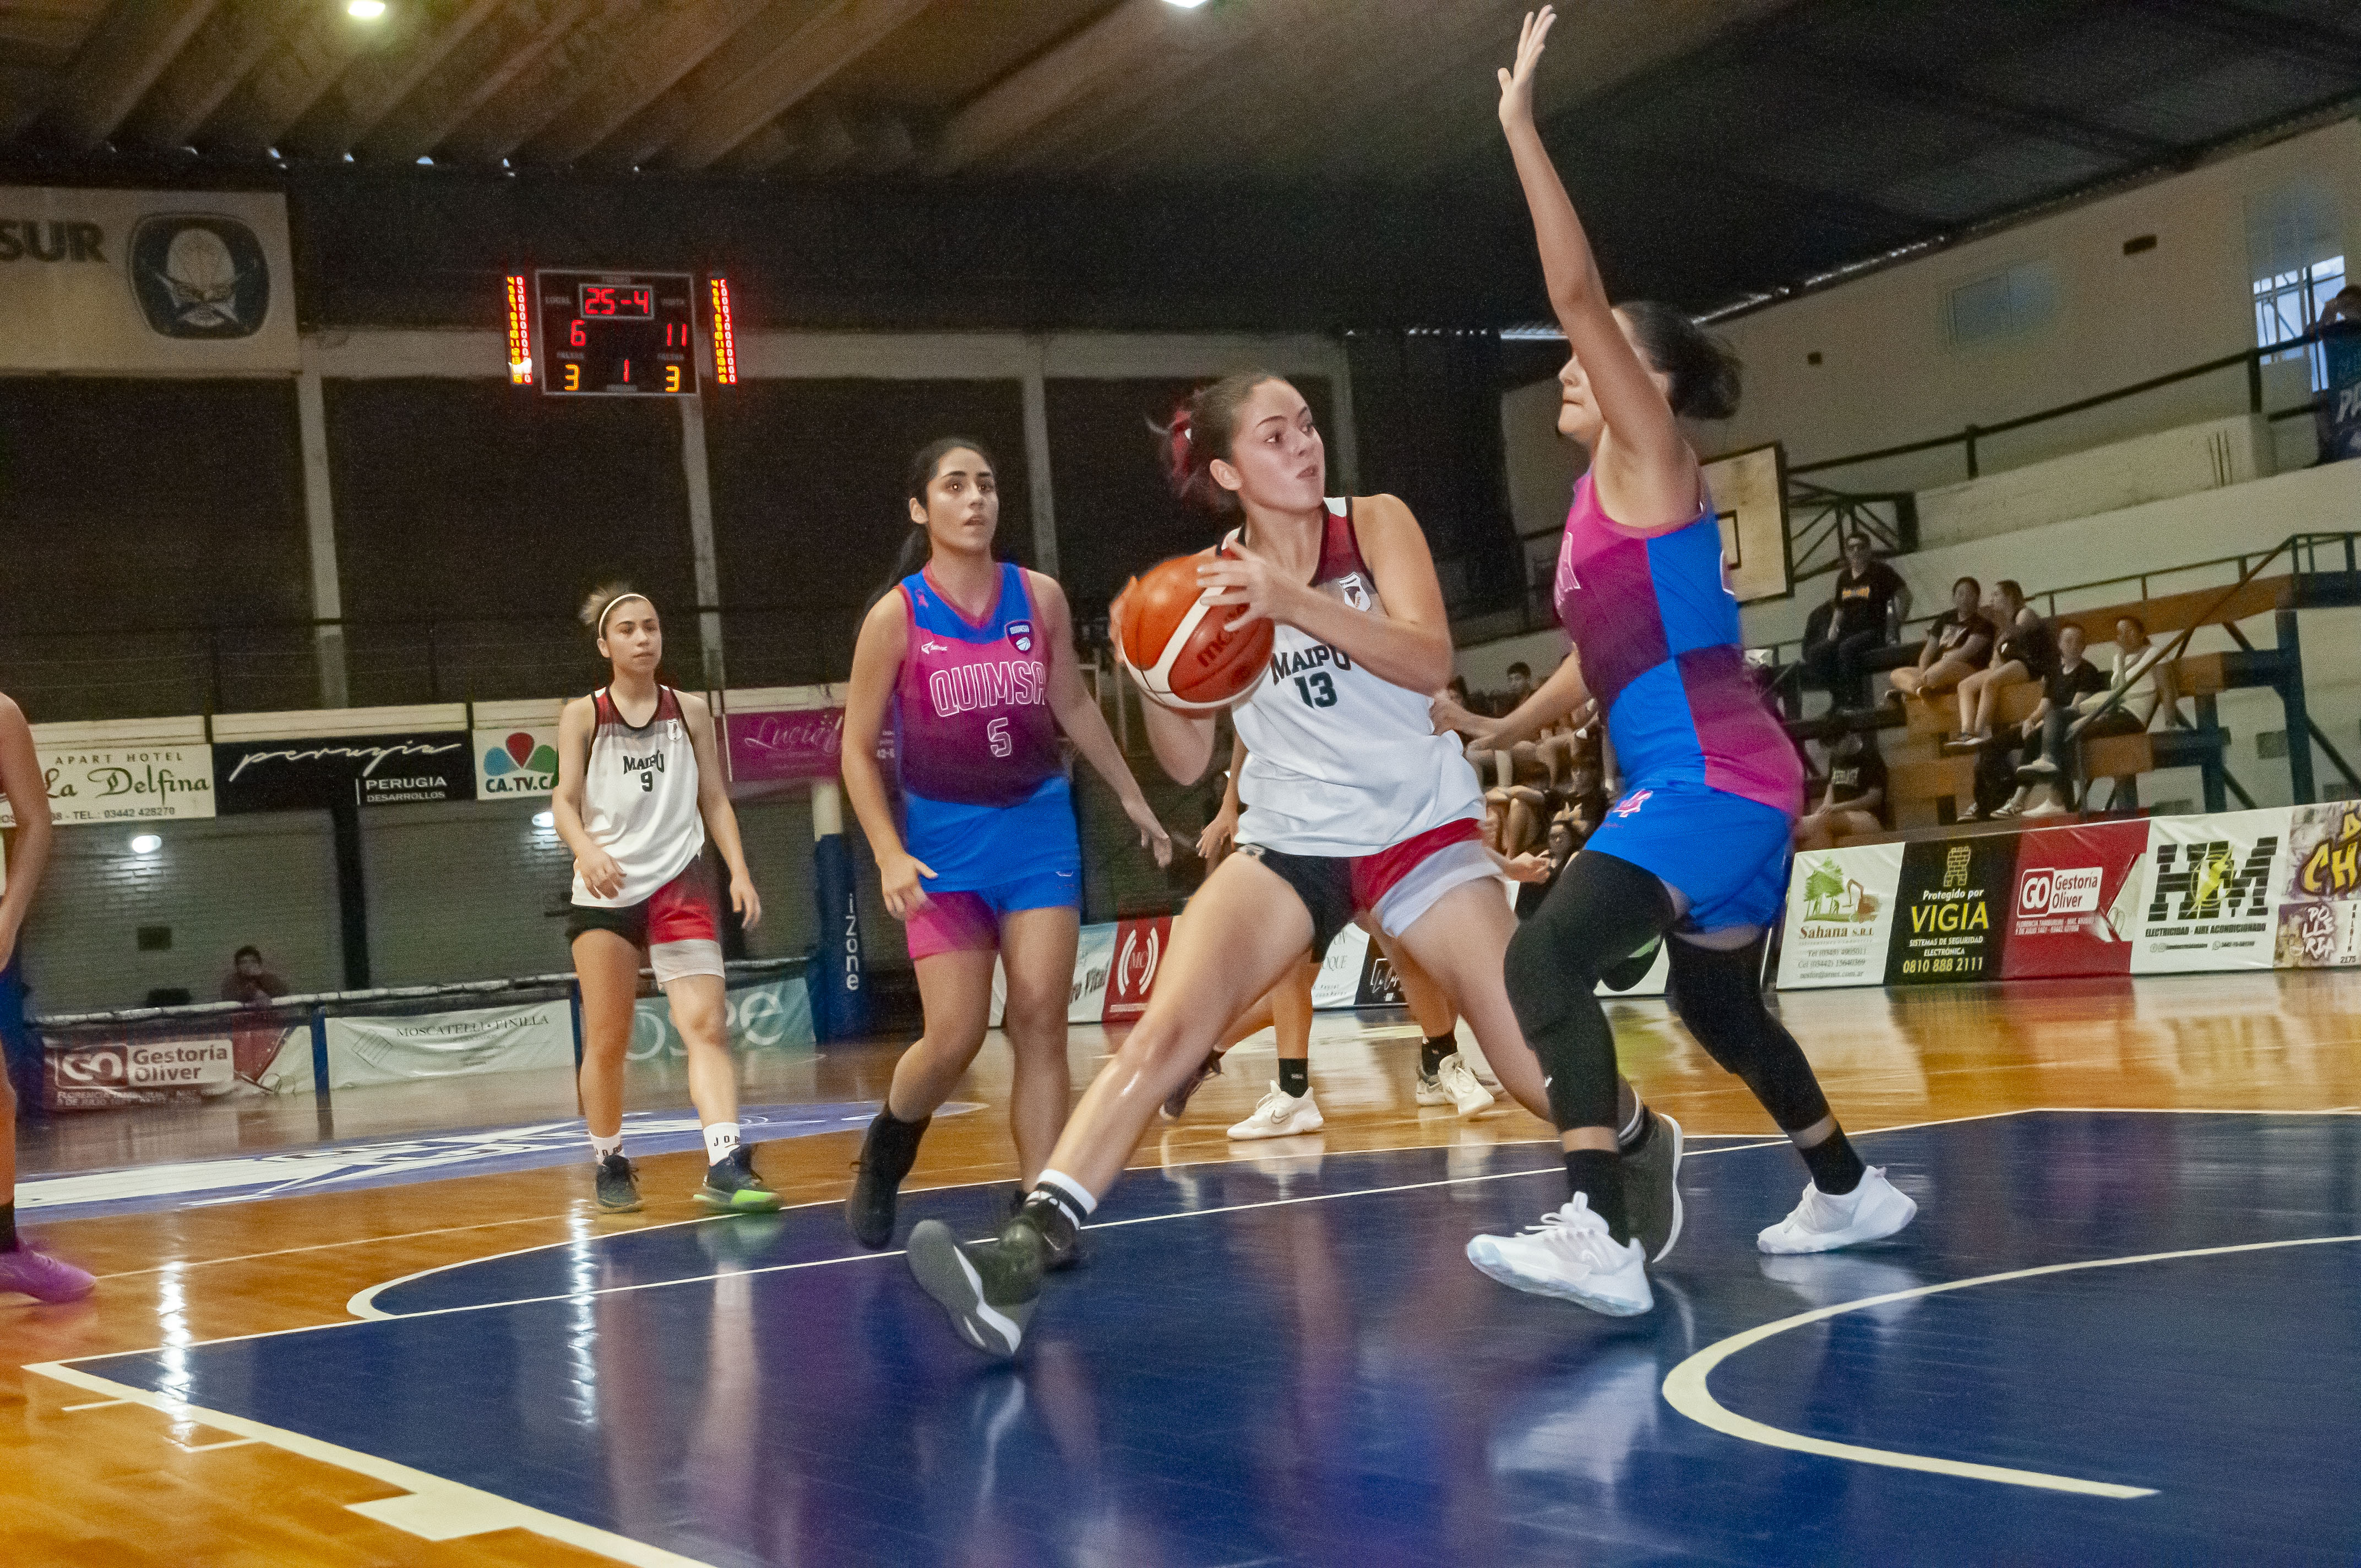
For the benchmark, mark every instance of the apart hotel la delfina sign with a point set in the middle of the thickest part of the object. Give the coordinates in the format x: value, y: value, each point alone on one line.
x: 145, y: 280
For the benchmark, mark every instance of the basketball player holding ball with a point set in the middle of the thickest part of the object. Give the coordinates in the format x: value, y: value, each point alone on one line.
x: 639, y: 790
x: 1697, y: 848
x: 1351, y: 801
x: 973, y: 659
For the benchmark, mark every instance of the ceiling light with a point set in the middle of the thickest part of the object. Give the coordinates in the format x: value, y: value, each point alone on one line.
x: 365, y: 10
x: 1185, y: 4
x: 145, y: 844
x: 545, y: 819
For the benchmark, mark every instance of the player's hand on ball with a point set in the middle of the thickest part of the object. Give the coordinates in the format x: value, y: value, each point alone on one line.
x: 746, y: 902
x: 1253, y: 582
x: 1152, y: 836
x: 899, y: 878
x: 600, y: 873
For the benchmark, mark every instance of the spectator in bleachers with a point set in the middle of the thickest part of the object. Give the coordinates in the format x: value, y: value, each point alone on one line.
x: 248, y: 982
x: 1855, y: 802
x: 2022, y: 650
x: 2139, y: 686
x: 1563, y: 842
x: 1958, y: 641
x: 2048, y: 742
x: 2334, y: 419
x: 1865, y: 612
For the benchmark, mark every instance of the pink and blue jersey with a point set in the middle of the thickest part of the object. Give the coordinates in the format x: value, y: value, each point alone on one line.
x: 1656, y: 626
x: 984, y: 792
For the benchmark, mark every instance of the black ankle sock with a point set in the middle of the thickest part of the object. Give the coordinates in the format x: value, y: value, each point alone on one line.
x: 1046, y: 1210
x: 8, y: 1226
x: 1295, y: 1076
x: 1635, y: 1138
x: 1597, y: 1174
x: 1835, y: 1169
x: 1431, y: 1055
x: 891, y: 1147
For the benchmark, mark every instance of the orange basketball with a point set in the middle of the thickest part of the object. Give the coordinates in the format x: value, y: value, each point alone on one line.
x: 1179, y: 646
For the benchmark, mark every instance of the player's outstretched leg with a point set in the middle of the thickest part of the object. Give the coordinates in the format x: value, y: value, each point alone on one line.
x: 1846, y: 1202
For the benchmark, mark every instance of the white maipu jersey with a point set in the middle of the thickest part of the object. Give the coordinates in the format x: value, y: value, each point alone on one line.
x: 638, y: 798
x: 1340, y: 762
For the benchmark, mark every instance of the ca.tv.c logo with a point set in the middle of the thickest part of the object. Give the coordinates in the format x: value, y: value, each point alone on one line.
x: 199, y: 275
x: 519, y: 766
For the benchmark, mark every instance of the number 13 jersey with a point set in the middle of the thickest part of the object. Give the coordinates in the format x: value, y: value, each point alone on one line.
x: 638, y: 798
x: 1340, y: 762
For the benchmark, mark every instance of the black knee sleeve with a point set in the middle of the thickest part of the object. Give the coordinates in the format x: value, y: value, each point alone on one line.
x: 1720, y: 1000
x: 1599, y: 909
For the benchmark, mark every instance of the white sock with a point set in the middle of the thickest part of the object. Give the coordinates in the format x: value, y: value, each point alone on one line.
x: 1070, y: 1192
x: 720, y: 1137
x: 601, y: 1148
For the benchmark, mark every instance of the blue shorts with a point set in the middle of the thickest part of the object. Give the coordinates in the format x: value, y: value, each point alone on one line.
x: 1727, y: 854
x: 972, y: 848
x: 969, y: 920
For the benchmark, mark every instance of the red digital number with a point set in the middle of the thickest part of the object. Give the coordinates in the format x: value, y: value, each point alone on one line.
x: 643, y: 302
x: 626, y: 376
x: 598, y: 300
x: 581, y: 339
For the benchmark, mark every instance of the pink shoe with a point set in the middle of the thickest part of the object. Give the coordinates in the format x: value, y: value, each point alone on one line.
x: 41, y: 1276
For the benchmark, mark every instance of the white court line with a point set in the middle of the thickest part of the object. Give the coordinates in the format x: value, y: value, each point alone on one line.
x: 97, y: 1405
x: 483, y: 1510
x: 326, y: 1246
x: 1685, y: 1390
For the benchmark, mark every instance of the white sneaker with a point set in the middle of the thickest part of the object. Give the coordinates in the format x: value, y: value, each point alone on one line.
x: 1429, y: 1091
x: 1458, y: 1083
x: 1870, y: 1212
x: 1280, y: 1116
x: 1570, y: 1255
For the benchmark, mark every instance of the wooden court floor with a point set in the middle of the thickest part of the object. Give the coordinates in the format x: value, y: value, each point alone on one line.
x: 124, y: 1484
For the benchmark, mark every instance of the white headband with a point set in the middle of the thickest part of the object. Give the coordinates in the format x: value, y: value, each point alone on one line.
x: 608, y: 609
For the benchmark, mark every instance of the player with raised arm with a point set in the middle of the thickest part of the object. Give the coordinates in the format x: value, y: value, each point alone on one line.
x: 973, y: 661
x: 639, y: 787
x: 1352, y: 800
x: 1697, y: 847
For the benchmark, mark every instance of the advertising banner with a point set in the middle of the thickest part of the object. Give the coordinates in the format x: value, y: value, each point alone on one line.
x: 1344, y: 970
x: 421, y: 1045
x: 312, y: 775
x: 2077, y: 901
x: 2210, y: 893
x: 515, y: 761
x: 1840, y: 916
x: 1093, y: 961
x: 143, y: 282
x: 2319, y: 918
x: 1138, y: 949
x: 772, y: 1016
x: 127, y: 784
x: 1951, y: 910
x: 773, y: 748
x: 103, y: 1074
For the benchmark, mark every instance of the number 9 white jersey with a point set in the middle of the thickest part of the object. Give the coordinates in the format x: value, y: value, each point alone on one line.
x: 1340, y: 762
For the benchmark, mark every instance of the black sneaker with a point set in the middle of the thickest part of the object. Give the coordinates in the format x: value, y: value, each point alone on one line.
x: 887, y: 1151
x: 989, y: 1289
x: 1652, y: 1188
x: 618, y: 1185
x: 733, y: 1188
x: 1061, y: 1248
x: 1177, y: 1102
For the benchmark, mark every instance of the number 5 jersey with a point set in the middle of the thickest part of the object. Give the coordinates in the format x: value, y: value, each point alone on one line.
x: 1340, y: 762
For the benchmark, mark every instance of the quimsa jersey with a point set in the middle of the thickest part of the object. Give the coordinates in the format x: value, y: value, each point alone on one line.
x: 1340, y: 762
x: 638, y: 798
x: 971, y: 719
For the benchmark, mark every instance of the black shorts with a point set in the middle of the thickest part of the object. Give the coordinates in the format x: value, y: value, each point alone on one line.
x: 1324, y: 883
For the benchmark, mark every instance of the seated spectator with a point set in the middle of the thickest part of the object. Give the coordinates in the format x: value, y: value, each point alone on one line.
x: 1958, y: 640
x: 1562, y: 846
x: 2048, y: 732
x: 2336, y: 422
x: 248, y: 982
x: 2139, y: 686
x: 1866, y: 609
x: 1855, y: 802
x: 2021, y: 651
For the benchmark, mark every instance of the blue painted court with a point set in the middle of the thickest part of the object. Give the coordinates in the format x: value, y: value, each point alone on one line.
x: 1290, y: 1362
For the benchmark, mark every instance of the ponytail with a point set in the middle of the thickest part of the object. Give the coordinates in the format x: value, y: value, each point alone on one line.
x: 1205, y: 426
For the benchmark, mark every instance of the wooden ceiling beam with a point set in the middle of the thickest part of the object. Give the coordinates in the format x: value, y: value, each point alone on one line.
x: 799, y: 66
x: 297, y: 74
x: 122, y: 60
x: 472, y: 78
x: 217, y: 60
x: 376, y: 88
x: 563, y: 73
x: 682, y: 42
x: 1132, y: 38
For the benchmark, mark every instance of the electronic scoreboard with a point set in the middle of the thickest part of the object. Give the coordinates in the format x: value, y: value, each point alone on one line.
x: 584, y: 333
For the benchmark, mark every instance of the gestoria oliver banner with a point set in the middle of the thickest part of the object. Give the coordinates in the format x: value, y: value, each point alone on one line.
x: 2077, y: 901
x: 515, y: 761
x: 144, y: 1069
x: 2210, y: 893
x: 145, y: 281
x: 126, y: 783
x: 1840, y: 916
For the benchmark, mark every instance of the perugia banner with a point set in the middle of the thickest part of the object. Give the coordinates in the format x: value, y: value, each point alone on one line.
x: 2077, y: 901
x: 1950, y: 912
x: 1840, y: 916
x: 2211, y: 891
x: 374, y: 770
